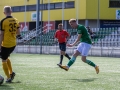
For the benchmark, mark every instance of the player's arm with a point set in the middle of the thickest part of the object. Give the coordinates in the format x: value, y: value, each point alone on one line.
x: 78, y: 38
x: 1, y: 37
x: 76, y: 41
x: 67, y: 36
x: 18, y: 32
x: 55, y: 37
x: 1, y: 32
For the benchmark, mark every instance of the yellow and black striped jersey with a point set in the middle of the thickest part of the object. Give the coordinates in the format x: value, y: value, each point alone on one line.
x: 10, y: 26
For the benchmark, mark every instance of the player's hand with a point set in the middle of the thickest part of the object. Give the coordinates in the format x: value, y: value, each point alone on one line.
x: 69, y: 45
x: 19, y: 36
x: 56, y: 40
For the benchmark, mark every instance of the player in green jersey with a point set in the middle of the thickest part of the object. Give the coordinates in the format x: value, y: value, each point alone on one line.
x: 83, y: 48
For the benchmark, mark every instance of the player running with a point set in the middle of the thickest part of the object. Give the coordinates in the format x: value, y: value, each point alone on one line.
x: 61, y: 36
x: 83, y: 48
x: 9, y: 28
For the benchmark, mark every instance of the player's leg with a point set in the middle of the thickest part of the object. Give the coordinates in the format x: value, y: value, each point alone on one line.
x: 63, y: 51
x: 9, y: 66
x: 85, y: 51
x: 71, y: 61
x: 61, y: 56
x: 65, y: 54
x: 4, y: 56
x: 74, y: 56
x: 12, y: 74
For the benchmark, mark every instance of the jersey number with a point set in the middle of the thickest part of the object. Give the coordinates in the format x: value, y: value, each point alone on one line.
x: 12, y: 27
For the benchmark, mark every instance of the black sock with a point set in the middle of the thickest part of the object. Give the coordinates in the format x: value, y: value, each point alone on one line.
x: 67, y: 56
x: 61, y: 59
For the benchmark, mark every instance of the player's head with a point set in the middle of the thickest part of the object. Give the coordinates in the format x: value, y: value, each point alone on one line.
x: 88, y: 27
x: 73, y: 23
x: 7, y: 10
x: 60, y: 26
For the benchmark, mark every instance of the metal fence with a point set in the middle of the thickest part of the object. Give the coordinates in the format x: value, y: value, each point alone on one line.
x: 106, y: 42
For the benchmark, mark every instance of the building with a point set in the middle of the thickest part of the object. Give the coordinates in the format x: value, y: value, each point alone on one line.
x: 94, y: 13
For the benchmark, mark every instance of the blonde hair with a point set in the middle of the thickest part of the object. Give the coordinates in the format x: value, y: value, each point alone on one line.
x: 7, y: 9
x: 72, y: 20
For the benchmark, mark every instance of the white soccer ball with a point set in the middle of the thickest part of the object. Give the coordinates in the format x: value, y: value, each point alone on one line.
x: 1, y: 79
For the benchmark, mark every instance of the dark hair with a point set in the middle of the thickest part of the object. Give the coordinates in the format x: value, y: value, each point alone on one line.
x: 60, y: 24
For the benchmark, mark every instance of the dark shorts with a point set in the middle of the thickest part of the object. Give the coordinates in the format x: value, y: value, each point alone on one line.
x: 5, y: 52
x: 62, y: 46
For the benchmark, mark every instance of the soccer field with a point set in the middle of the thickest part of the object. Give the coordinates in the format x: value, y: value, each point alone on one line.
x: 40, y: 72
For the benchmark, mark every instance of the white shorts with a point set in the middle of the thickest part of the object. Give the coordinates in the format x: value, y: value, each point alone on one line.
x: 84, y: 48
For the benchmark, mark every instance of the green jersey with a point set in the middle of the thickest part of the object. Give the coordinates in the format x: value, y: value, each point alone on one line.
x: 85, y: 35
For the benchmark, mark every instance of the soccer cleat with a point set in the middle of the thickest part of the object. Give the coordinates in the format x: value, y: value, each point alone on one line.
x: 8, y: 80
x: 12, y: 75
x: 59, y: 64
x: 97, y: 69
x: 64, y: 67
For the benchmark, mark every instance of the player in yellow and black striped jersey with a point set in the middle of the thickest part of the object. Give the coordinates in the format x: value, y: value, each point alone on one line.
x: 9, y: 27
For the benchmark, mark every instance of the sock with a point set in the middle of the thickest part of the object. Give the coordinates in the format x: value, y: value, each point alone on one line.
x: 9, y: 66
x: 5, y: 68
x: 72, y: 60
x: 90, y: 63
x: 61, y: 59
x: 67, y: 56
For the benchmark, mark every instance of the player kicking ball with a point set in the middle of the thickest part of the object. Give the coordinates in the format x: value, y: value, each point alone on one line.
x: 83, y: 48
x: 61, y: 36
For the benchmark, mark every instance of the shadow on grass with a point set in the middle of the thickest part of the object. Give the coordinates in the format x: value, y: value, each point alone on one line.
x: 16, y: 82
x: 6, y: 87
x: 84, y: 80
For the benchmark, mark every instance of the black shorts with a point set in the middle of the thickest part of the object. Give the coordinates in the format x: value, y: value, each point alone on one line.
x: 62, y: 46
x: 5, y: 52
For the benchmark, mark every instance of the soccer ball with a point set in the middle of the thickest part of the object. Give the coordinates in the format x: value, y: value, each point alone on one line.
x: 1, y: 79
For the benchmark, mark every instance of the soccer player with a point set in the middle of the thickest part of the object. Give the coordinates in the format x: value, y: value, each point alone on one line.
x: 62, y: 35
x: 83, y: 48
x: 9, y: 28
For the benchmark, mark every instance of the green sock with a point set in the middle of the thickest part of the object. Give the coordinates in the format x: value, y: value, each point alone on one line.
x: 90, y: 63
x: 71, y: 61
